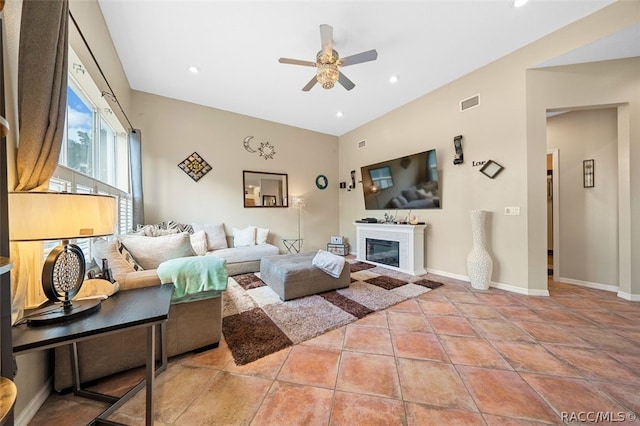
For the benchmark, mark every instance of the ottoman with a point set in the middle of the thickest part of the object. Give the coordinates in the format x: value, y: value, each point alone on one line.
x: 293, y: 275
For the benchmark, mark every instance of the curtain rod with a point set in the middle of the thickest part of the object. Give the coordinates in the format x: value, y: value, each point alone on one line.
x: 112, y: 94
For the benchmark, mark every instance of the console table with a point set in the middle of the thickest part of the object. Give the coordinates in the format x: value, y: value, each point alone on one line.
x: 143, y: 307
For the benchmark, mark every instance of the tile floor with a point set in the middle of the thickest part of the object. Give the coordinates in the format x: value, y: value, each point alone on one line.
x: 452, y: 356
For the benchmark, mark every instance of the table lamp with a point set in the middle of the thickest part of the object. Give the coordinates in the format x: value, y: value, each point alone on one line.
x: 43, y: 216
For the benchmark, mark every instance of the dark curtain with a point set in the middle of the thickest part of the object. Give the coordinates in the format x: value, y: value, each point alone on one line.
x: 135, y: 166
x: 42, y: 90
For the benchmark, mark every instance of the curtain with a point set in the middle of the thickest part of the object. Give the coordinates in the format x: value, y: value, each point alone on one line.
x: 42, y: 102
x: 42, y: 90
x: 135, y: 165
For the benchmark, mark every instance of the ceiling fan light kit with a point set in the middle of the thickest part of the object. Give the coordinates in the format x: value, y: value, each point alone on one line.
x: 328, y: 63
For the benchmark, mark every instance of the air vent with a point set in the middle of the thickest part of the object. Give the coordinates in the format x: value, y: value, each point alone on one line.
x: 469, y: 103
x: 362, y: 144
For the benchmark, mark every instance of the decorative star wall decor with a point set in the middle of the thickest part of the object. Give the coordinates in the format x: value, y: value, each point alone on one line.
x: 195, y: 166
x: 267, y: 151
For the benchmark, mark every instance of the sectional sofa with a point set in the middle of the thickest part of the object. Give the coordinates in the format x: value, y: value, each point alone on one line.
x: 192, y: 325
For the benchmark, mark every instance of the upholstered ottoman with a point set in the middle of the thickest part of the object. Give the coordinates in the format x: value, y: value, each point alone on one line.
x: 293, y: 275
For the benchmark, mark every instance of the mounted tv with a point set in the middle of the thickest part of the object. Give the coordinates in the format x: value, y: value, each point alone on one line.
x: 409, y: 182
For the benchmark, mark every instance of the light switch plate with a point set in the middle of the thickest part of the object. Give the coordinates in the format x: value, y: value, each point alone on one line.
x: 512, y: 211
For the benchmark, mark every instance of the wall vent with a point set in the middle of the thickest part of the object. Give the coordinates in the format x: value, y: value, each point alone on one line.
x: 469, y: 103
x: 362, y: 144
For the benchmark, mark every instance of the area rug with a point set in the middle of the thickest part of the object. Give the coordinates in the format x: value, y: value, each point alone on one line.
x: 257, y: 323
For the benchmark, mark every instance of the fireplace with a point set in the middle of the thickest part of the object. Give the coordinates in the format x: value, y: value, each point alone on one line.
x: 394, y: 246
x: 383, y: 251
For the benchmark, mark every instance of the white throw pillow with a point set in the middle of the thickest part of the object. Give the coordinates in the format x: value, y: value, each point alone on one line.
x: 244, y: 237
x: 216, y: 238
x: 199, y: 242
x: 261, y: 235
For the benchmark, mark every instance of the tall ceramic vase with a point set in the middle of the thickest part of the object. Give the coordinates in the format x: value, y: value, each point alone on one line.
x: 479, y: 262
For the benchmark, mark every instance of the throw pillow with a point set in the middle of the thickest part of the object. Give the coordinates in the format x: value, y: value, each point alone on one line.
x: 261, y: 235
x: 199, y: 242
x: 150, y: 252
x: 181, y: 227
x: 103, y: 249
x: 127, y: 256
x: 244, y: 237
x: 216, y: 238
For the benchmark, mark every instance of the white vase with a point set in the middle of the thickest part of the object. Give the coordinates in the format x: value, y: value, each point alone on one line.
x: 479, y: 262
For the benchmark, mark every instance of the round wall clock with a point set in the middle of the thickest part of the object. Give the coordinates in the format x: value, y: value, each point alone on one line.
x: 322, y: 181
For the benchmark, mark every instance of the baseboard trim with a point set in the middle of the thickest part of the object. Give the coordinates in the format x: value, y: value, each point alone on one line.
x: 448, y: 274
x: 34, y: 405
x: 597, y: 286
x: 628, y: 296
x: 501, y: 286
x: 520, y: 290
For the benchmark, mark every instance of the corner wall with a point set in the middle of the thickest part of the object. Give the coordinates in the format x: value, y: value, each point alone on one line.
x: 509, y: 127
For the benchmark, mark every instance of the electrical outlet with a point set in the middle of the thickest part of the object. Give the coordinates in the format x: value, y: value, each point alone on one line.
x: 512, y: 211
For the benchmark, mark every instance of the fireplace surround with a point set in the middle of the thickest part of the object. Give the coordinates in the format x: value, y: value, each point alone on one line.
x: 409, y: 240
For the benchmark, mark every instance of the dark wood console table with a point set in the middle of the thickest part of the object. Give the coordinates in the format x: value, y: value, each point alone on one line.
x: 144, y: 307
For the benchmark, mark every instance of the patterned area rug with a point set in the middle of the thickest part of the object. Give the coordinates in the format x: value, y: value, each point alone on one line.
x: 257, y: 323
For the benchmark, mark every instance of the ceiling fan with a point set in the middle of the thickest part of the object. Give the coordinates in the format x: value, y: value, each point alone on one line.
x: 329, y: 63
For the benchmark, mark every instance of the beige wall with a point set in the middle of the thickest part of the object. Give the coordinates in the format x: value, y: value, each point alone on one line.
x: 505, y: 128
x: 588, y: 228
x: 172, y: 130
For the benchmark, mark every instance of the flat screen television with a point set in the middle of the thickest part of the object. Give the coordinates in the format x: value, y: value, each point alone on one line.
x: 409, y: 182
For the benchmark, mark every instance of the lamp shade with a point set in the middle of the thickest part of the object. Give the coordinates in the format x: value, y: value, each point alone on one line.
x: 37, y: 216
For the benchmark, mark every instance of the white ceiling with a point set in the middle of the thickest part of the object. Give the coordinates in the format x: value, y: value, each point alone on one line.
x: 236, y: 46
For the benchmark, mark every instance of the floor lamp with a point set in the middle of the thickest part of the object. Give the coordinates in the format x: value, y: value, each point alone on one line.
x: 51, y: 216
x: 299, y: 203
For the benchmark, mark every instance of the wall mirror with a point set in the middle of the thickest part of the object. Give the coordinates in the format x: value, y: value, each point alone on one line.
x: 264, y: 189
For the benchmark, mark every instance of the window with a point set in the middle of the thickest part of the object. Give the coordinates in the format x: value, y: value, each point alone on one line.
x: 381, y: 177
x: 95, y: 154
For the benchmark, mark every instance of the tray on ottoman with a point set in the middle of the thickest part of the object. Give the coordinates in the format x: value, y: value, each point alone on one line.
x: 293, y: 275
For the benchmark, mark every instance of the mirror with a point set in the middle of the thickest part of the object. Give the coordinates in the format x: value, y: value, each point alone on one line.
x: 263, y: 189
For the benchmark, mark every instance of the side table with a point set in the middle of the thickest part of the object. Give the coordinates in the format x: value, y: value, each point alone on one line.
x: 293, y: 245
x: 146, y: 307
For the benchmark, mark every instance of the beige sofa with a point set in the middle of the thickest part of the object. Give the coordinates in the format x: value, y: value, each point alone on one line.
x: 192, y: 325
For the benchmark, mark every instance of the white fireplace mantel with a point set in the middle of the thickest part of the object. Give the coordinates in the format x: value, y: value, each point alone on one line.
x: 409, y: 237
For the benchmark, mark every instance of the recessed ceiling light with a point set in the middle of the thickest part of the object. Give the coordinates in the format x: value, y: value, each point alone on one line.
x: 339, y: 114
x: 194, y: 69
x: 393, y: 79
x: 518, y: 3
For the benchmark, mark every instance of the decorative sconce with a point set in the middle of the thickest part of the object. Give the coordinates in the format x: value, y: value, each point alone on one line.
x: 588, y: 173
x: 459, y: 157
x: 353, y: 180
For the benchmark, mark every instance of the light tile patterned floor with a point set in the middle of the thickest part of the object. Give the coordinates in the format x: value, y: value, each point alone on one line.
x: 452, y: 356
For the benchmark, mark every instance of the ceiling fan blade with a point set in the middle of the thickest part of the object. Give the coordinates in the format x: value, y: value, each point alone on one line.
x: 346, y: 83
x: 296, y: 62
x: 369, y: 55
x: 310, y: 84
x: 326, y: 37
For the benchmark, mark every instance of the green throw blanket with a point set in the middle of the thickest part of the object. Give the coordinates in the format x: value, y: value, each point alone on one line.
x: 194, y: 278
